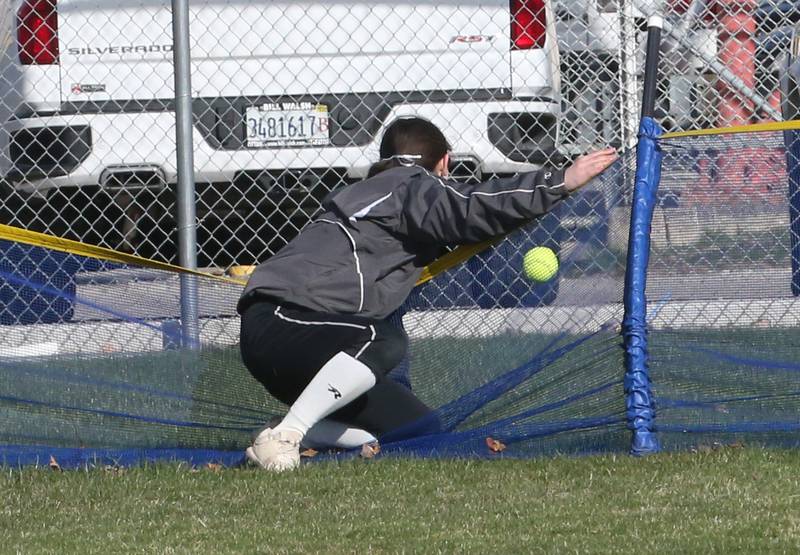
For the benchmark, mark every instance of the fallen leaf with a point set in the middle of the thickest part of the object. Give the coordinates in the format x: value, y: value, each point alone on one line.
x: 495, y: 445
x: 215, y: 467
x: 369, y: 450
x: 54, y: 464
x: 309, y: 453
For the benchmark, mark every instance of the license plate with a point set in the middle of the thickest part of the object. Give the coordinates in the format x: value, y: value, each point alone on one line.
x: 295, y: 124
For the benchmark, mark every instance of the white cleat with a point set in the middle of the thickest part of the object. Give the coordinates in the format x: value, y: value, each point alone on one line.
x: 275, y: 450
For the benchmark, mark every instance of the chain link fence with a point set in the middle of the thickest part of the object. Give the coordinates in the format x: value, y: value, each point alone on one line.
x: 289, y: 101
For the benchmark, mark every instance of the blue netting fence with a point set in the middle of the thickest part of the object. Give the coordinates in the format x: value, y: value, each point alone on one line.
x: 722, y: 291
x: 92, y: 368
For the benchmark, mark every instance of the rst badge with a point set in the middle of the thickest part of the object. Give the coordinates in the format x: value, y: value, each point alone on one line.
x: 471, y: 39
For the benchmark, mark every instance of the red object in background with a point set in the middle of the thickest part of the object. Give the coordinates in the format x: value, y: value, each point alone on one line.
x: 736, y: 26
x: 738, y: 175
x: 737, y: 50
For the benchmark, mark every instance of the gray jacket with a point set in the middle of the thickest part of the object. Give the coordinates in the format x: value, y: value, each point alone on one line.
x: 365, y: 252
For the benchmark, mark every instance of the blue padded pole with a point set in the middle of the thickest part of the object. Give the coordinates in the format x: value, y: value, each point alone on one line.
x: 792, y: 140
x: 639, y: 404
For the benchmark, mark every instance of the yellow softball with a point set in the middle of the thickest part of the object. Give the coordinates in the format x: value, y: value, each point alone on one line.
x: 540, y: 264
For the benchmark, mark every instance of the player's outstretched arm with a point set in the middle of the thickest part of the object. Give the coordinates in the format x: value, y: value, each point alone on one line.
x: 447, y: 212
x: 585, y: 167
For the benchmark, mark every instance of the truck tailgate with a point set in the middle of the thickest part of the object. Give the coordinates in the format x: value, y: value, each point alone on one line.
x: 123, y: 50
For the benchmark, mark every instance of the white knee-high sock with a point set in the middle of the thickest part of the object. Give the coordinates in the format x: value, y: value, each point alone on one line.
x: 329, y: 433
x: 338, y: 382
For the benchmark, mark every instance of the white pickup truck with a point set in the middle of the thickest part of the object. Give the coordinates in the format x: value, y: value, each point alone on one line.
x: 290, y: 99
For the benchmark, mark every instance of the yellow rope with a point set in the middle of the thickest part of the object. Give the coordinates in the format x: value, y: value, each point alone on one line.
x: 458, y: 255
x: 52, y: 242
x: 754, y: 128
x: 11, y: 233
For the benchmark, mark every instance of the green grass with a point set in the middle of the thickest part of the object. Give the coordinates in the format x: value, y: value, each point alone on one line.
x: 732, y: 500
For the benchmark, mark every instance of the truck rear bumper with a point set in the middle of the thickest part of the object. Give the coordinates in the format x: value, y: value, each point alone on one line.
x: 76, y: 150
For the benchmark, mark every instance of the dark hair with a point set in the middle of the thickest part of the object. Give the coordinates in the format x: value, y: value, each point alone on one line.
x: 413, y: 136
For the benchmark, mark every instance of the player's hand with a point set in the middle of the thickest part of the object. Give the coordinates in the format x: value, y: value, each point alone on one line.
x: 585, y: 167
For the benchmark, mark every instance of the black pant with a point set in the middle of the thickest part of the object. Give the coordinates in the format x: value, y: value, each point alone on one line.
x: 284, y: 348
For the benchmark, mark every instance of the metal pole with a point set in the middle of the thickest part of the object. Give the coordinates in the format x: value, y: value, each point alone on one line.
x: 629, y: 90
x: 654, y: 25
x: 187, y: 226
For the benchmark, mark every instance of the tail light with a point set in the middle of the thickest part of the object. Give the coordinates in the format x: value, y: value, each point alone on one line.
x: 528, y: 24
x: 37, y: 32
